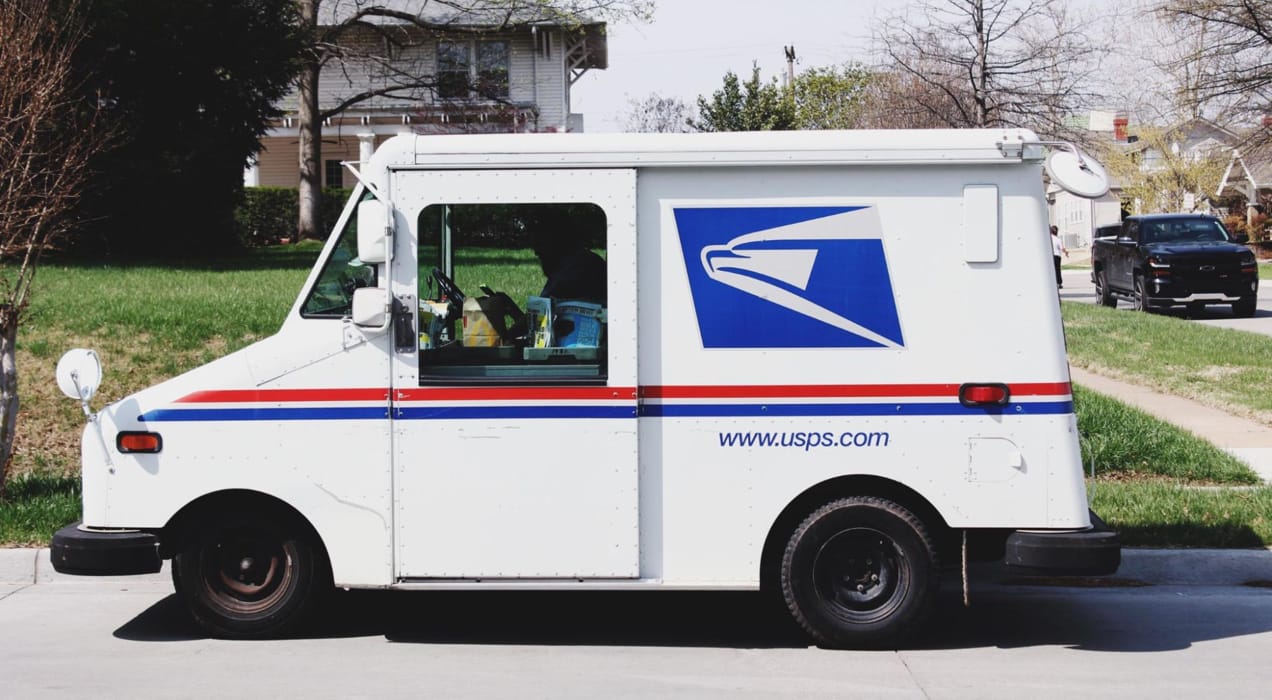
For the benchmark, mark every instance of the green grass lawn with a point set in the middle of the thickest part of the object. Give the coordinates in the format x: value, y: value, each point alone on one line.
x: 1228, y: 369
x: 149, y: 322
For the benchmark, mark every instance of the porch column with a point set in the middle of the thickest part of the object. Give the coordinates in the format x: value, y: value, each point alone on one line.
x: 252, y: 174
x: 366, y: 146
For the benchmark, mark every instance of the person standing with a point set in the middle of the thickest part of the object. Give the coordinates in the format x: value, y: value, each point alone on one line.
x: 1058, y: 249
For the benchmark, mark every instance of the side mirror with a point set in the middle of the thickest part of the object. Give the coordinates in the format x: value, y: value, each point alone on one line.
x: 371, y: 308
x: 1241, y: 238
x: 79, y: 373
x: 373, y: 231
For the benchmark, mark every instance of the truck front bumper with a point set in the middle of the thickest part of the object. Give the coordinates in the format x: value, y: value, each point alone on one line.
x: 1096, y: 551
x: 87, y: 552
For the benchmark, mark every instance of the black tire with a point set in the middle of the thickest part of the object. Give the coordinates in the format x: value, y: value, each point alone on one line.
x: 860, y: 572
x: 1102, y: 290
x: 1140, y: 298
x: 1245, y: 307
x: 249, y: 576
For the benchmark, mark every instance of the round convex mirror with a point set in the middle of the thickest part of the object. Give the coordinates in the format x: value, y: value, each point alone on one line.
x: 79, y: 373
x: 1079, y: 175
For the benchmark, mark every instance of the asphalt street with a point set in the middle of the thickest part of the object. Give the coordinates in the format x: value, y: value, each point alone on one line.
x: 130, y: 639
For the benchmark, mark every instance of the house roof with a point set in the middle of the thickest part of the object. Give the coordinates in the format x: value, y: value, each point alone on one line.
x: 466, y: 14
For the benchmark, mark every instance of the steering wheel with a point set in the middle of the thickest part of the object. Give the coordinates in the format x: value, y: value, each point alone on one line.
x: 448, y: 287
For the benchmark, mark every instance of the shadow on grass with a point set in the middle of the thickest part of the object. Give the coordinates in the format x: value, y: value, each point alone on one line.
x: 1221, y: 535
x: 35, y: 486
x: 280, y: 257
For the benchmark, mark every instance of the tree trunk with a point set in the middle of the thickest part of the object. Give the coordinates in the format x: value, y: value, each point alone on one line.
x: 8, y: 389
x: 309, y: 224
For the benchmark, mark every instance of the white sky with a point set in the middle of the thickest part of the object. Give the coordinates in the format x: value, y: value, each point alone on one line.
x: 685, y: 51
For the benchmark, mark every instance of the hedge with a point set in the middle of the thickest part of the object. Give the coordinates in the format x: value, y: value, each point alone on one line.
x: 268, y: 215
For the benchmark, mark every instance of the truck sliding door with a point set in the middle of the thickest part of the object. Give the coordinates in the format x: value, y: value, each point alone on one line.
x: 514, y: 437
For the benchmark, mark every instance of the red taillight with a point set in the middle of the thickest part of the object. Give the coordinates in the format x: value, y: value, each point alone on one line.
x: 145, y: 443
x: 984, y: 395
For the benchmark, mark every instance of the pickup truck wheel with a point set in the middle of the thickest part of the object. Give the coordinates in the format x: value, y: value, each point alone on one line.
x: 1141, y: 295
x: 1102, y: 290
x: 1245, y: 307
x: 860, y: 572
x: 248, y: 577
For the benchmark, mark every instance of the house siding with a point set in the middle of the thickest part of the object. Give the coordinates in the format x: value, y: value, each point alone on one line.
x: 537, y: 83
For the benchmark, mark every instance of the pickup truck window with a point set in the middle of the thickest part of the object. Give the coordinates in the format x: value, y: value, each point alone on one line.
x: 1184, y: 231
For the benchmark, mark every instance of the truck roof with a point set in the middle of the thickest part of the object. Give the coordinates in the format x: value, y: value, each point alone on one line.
x: 948, y: 146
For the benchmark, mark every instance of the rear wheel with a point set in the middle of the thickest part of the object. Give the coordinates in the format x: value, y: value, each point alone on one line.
x: 1102, y: 290
x: 860, y: 572
x: 1245, y: 307
x: 249, y: 576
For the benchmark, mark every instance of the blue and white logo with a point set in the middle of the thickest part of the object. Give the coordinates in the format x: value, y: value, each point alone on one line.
x: 789, y: 277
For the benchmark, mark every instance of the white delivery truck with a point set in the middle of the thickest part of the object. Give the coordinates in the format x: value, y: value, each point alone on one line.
x: 828, y: 364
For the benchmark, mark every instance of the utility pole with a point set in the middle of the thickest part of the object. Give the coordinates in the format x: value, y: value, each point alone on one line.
x: 790, y: 66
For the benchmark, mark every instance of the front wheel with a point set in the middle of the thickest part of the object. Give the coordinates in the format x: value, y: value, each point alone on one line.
x: 246, y: 576
x: 860, y: 572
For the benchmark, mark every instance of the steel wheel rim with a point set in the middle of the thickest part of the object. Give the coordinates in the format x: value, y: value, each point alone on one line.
x: 858, y: 575
x: 247, y: 572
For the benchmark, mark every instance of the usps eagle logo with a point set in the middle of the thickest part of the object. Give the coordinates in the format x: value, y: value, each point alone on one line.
x: 789, y: 277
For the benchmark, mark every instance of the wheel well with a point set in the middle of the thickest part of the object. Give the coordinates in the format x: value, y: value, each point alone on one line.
x: 181, y: 527
x: 841, y: 487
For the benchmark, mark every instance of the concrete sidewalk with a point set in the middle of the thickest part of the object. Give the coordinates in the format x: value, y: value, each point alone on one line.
x: 1245, y: 439
x: 1166, y: 567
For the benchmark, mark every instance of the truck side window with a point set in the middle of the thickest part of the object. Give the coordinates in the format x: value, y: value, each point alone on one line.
x: 513, y: 293
x: 332, y: 293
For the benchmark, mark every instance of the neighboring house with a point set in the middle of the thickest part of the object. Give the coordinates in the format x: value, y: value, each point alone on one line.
x: 1078, y: 218
x: 523, y: 74
x: 1249, y: 176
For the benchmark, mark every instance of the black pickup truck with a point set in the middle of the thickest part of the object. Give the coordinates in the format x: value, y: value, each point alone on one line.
x: 1163, y: 260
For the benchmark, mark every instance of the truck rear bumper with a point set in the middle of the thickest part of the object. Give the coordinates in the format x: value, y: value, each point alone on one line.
x: 83, y: 551
x: 1096, y: 551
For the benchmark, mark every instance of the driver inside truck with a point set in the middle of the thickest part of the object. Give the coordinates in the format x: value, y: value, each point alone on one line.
x: 572, y: 271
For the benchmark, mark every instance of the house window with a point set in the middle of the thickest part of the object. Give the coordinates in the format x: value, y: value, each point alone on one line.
x: 477, y: 69
x: 334, y: 174
x: 492, y: 68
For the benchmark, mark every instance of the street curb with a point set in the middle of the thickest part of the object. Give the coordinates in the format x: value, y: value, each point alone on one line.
x: 1173, y: 567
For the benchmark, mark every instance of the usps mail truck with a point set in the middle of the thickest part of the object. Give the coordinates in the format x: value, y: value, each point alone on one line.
x: 826, y: 364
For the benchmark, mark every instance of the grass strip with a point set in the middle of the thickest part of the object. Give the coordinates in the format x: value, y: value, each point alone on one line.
x: 34, y: 506
x: 1163, y: 513
x: 1220, y: 367
x: 1125, y: 442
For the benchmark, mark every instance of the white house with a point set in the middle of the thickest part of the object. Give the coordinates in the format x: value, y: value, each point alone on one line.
x: 486, y: 76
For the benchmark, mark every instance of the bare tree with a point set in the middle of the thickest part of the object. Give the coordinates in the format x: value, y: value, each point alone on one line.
x: 49, y: 133
x: 1157, y: 174
x: 1230, y: 67
x: 374, y: 37
x: 658, y: 114
x: 990, y: 63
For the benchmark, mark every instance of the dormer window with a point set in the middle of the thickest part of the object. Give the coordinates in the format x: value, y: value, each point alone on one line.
x: 472, y: 69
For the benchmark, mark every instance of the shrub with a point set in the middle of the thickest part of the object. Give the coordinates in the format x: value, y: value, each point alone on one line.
x: 268, y: 214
